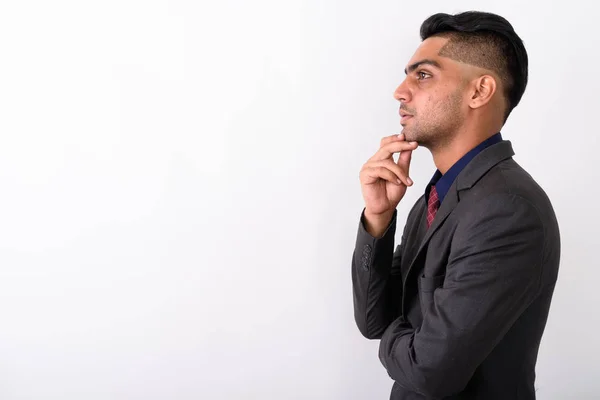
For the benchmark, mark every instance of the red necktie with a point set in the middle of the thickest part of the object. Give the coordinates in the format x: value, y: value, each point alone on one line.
x: 432, y: 205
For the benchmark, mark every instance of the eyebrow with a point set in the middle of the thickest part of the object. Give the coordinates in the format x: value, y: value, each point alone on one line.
x: 416, y: 65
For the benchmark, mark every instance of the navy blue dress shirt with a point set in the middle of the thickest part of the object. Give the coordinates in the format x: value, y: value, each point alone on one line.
x: 443, y: 182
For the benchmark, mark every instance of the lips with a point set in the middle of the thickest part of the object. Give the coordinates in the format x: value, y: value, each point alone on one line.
x: 405, y: 117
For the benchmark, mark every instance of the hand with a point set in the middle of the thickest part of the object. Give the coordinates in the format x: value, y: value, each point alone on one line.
x: 383, y: 181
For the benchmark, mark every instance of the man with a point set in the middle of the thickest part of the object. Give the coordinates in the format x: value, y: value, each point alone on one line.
x: 461, y: 303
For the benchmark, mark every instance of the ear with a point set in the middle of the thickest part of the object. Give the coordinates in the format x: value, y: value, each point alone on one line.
x: 484, y: 88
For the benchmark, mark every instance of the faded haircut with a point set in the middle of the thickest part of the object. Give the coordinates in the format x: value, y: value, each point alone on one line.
x: 484, y: 40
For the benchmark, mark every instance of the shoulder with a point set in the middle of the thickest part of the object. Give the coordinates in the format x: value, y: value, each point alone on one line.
x: 509, y: 182
x: 508, y: 199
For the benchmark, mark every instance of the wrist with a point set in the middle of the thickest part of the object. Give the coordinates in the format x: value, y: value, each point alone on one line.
x: 377, y: 224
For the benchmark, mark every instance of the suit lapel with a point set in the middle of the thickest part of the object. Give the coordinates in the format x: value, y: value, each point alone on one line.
x: 448, y: 205
x: 418, y: 229
x: 467, y: 178
x: 446, y: 208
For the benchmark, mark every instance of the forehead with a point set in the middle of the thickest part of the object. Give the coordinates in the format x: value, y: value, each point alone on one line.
x: 429, y: 49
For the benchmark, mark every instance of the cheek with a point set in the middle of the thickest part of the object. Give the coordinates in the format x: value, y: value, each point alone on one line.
x: 441, y: 101
x: 432, y: 104
x: 425, y: 102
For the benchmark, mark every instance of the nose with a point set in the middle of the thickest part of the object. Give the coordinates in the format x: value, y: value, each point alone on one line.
x: 402, y: 93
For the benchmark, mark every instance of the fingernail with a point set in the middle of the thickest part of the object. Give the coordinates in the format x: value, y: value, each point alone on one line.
x: 399, y: 181
x: 410, y: 182
x: 413, y: 142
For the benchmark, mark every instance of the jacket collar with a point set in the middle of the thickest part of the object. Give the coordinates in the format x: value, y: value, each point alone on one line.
x: 482, y: 163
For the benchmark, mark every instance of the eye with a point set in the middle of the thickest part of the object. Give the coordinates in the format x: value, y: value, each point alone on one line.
x: 422, y: 75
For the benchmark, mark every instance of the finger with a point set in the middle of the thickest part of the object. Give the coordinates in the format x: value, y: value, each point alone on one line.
x: 383, y: 173
x: 373, y: 171
x: 389, y: 139
x: 395, y: 168
x: 389, y: 149
x: 404, y: 160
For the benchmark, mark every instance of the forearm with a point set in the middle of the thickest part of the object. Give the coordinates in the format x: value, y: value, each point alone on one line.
x: 375, y: 288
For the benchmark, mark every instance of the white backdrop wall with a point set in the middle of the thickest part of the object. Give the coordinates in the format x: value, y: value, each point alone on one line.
x: 180, y: 192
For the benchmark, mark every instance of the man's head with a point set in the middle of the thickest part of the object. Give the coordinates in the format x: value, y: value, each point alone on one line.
x: 469, y: 71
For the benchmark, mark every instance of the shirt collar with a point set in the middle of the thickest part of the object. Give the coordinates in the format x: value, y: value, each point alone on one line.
x: 443, y: 182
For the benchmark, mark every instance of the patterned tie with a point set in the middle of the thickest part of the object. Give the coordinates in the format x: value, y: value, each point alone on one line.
x: 432, y: 205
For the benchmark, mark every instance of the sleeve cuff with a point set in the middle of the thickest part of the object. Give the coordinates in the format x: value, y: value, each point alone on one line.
x: 371, y: 250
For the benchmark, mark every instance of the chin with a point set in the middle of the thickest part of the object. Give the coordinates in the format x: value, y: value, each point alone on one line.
x: 409, y: 136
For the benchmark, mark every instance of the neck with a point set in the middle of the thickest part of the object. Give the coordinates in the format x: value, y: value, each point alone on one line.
x: 446, y: 154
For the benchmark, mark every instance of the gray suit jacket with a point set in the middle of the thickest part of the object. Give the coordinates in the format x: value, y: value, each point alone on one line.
x: 460, y: 307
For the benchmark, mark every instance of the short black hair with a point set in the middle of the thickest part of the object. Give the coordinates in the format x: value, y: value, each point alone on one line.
x: 486, y: 40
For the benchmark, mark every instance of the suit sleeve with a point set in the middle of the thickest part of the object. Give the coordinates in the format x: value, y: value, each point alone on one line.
x: 376, y: 280
x: 493, y: 274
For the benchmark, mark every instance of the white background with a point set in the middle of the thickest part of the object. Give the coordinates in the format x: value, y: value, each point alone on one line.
x: 180, y: 196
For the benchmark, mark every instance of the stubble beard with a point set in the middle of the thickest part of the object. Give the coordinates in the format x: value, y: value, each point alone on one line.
x: 437, y: 127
